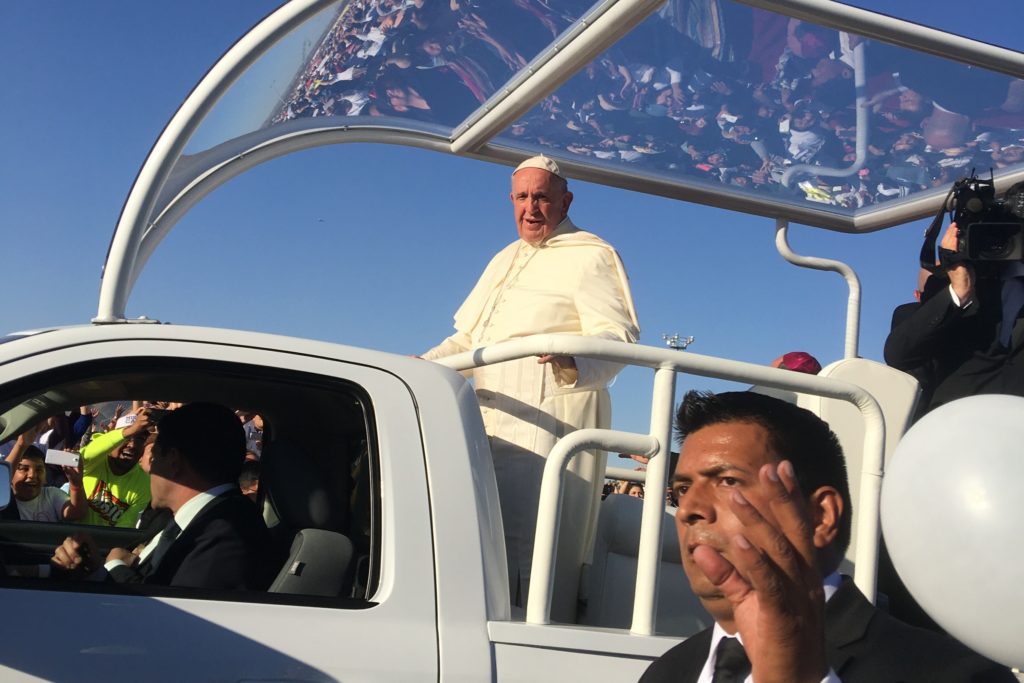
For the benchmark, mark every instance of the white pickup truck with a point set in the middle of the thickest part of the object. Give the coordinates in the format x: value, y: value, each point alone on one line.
x: 381, y: 461
x: 388, y: 452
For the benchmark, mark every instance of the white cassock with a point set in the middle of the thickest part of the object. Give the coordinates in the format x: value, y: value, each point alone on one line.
x: 572, y: 283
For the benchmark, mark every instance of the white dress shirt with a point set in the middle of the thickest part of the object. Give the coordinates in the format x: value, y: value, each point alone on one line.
x: 831, y: 584
x: 183, y: 517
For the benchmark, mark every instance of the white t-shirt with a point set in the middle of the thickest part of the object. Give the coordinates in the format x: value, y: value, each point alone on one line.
x: 48, y: 506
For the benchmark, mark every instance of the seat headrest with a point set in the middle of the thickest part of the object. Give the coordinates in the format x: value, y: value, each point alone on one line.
x: 299, y: 488
x: 619, y: 528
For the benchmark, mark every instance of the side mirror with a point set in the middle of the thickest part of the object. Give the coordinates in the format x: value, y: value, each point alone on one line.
x: 5, y: 484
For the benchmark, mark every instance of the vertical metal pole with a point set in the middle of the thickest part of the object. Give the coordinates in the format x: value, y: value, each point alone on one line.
x: 645, y: 599
x: 865, y: 570
x: 853, y: 302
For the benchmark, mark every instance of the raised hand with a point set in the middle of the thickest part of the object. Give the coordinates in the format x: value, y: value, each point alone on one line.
x: 773, y: 583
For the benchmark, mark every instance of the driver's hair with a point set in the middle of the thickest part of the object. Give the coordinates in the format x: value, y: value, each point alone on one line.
x: 210, y: 438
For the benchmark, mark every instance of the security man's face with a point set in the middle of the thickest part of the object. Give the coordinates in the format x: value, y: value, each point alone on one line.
x: 713, y: 462
x: 539, y: 203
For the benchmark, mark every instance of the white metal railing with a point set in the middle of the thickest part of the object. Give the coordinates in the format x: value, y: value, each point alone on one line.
x: 666, y: 363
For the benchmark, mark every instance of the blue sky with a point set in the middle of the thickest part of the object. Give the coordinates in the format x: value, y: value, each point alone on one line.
x: 372, y: 246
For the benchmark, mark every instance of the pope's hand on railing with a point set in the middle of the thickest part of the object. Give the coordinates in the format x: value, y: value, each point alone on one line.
x: 564, y: 367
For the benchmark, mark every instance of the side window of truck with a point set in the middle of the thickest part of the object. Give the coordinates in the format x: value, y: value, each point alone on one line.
x: 310, y: 476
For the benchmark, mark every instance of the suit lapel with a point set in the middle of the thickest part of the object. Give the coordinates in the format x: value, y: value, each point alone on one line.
x: 688, y: 668
x: 183, y: 543
x: 848, y: 615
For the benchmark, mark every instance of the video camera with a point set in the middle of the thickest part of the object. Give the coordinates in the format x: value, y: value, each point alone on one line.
x: 990, y: 229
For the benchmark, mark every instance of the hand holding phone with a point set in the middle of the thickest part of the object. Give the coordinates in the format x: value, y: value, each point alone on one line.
x: 63, y: 458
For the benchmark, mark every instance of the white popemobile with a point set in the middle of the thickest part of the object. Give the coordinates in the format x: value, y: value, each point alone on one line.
x: 378, y: 465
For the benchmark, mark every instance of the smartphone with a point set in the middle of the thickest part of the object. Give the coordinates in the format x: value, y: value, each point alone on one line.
x: 65, y: 458
x: 157, y: 414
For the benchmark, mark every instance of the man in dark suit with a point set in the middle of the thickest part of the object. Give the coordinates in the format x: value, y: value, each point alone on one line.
x: 216, y: 538
x: 965, y: 336
x: 761, y: 538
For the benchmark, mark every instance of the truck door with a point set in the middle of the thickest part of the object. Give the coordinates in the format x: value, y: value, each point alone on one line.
x: 347, y: 431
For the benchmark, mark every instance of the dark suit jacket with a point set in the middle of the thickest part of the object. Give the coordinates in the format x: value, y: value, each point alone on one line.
x: 863, y: 645
x: 956, y: 352
x: 226, y: 546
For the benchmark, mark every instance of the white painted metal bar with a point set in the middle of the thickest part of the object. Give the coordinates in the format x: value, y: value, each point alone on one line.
x: 850, y: 345
x: 542, y: 574
x: 220, y: 169
x: 645, y: 598
x: 614, y: 23
x: 866, y: 551
x: 623, y: 474
x: 139, y: 205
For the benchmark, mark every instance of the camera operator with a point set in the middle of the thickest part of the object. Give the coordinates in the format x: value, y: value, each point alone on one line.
x: 965, y: 336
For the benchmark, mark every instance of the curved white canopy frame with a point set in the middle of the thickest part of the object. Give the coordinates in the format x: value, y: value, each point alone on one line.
x: 168, y: 184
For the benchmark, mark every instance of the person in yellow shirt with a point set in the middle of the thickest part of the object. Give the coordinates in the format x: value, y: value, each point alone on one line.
x: 116, y: 486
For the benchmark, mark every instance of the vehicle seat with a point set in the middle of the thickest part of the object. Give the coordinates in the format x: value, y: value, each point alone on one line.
x: 306, y: 516
x: 317, y: 564
x: 610, y: 581
x: 897, y: 394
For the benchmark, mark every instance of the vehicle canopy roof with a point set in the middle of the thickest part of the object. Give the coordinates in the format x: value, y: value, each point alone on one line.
x: 810, y: 111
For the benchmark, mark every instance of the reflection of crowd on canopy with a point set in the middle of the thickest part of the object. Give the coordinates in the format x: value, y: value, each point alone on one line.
x: 704, y: 88
x: 430, y: 60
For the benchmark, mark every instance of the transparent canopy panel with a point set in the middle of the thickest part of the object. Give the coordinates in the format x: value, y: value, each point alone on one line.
x: 260, y: 91
x: 423, y: 64
x: 718, y: 95
x: 703, y: 94
x: 713, y: 101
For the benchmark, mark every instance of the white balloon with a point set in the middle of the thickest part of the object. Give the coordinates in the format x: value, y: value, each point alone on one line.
x: 952, y: 515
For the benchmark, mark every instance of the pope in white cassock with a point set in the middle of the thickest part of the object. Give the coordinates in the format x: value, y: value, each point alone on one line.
x: 555, y: 278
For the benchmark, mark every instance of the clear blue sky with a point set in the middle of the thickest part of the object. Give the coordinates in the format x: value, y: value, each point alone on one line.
x: 373, y: 246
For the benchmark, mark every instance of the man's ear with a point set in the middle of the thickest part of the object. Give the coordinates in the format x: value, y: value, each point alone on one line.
x: 826, y: 507
x: 566, y: 201
x: 173, y: 464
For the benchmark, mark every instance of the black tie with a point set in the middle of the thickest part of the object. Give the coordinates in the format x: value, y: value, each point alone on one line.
x: 731, y: 663
x: 163, y: 544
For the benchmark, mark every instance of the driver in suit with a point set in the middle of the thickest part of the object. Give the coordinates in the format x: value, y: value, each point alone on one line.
x: 763, y: 522
x: 216, y: 538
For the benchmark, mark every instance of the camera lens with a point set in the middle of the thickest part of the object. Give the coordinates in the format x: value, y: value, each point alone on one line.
x: 994, y: 242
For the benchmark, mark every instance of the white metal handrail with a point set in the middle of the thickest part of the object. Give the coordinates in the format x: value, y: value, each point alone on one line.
x: 542, y: 584
x: 852, y: 282
x: 668, y: 362
x: 623, y: 474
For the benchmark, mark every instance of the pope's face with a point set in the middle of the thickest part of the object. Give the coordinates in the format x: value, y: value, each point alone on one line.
x: 539, y: 203
x: 714, y: 461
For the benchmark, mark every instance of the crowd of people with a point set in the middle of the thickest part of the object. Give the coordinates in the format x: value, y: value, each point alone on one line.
x: 111, y: 486
x: 707, y: 89
x: 428, y: 60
